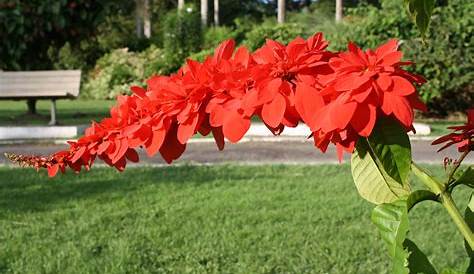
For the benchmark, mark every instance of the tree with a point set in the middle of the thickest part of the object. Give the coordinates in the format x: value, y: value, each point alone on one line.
x: 146, y: 18
x: 281, y: 11
x: 216, y: 12
x: 204, y: 8
x: 142, y: 18
x: 339, y: 7
x: 180, y: 5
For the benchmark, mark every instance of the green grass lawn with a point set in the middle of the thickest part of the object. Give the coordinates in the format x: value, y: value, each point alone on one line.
x: 439, y: 127
x: 215, y: 219
x: 69, y: 112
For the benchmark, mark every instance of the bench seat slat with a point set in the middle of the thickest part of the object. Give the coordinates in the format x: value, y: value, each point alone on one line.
x: 41, y: 73
x: 24, y: 84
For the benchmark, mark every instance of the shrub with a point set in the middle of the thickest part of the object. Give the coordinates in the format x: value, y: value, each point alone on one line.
x: 182, y: 35
x: 270, y: 30
x: 214, y: 35
x: 113, y: 74
x: 201, y: 56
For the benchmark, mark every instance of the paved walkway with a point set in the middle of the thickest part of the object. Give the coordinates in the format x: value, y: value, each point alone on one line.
x: 272, y: 150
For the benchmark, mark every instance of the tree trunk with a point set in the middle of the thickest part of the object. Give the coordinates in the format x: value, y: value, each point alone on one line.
x: 146, y: 18
x: 180, y: 5
x: 281, y: 11
x: 204, y: 8
x: 339, y: 6
x: 216, y: 12
x: 138, y: 18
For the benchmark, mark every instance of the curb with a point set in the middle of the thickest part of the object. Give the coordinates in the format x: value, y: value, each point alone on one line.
x: 257, y: 132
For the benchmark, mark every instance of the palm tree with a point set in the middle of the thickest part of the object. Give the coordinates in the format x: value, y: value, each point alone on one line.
x: 338, y: 10
x: 216, y: 12
x: 281, y: 11
x: 204, y: 8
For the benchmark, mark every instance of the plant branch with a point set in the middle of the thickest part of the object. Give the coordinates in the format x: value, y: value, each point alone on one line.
x: 457, y: 164
x: 433, y: 185
x: 446, y: 200
x: 456, y: 216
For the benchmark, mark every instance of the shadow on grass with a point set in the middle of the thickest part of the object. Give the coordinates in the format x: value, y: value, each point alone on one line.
x: 24, y: 190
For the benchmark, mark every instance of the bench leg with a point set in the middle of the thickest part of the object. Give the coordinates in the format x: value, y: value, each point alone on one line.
x: 53, y: 113
x: 31, y: 103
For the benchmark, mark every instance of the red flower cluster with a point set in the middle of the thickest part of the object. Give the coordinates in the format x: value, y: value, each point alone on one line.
x: 462, y: 136
x: 338, y: 94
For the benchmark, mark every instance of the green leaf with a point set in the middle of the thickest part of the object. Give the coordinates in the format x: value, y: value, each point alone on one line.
x: 381, y: 163
x: 466, y: 177
x: 419, y: 196
x: 417, y: 260
x: 469, y: 217
x: 420, y: 11
x: 452, y: 271
x: 391, y: 144
x: 392, y: 222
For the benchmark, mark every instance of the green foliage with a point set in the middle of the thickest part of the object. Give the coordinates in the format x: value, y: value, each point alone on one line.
x: 203, y: 219
x: 117, y: 31
x: 381, y: 163
x: 469, y: 217
x: 283, y: 33
x: 201, y: 56
x: 213, y: 36
x: 418, y: 196
x: 466, y: 177
x: 30, y: 28
x: 115, y: 72
x: 182, y: 36
x: 445, y: 57
x: 420, y: 11
x: 392, y: 221
x: 66, y: 57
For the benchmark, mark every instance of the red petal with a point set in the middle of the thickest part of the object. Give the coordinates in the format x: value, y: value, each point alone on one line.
x: 363, y: 120
x: 402, y: 86
x: 386, y: 48
x: 78, y: 154
x: 121, y: 149
x: 53, y: 170
x: 172, y: 148
x: 384, y: 82
x: 402, y: 111
x: 187, y: 130
x: 307, y: 103
x: 235, y: 126
x: 224, y: 50
x: 132, y: 155
x: 139, y: 91
x: 218, y: 137
x: 351, y: 82
x: 272, y: 112
x: 156, y: 141
x: 391, y: 58
x: 342, y: 114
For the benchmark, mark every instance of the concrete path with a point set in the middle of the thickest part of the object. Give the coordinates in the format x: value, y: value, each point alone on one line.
x: 272, y: 150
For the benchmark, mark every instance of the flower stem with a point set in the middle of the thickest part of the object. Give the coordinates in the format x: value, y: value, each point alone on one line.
x: 456, y: 166
x: 447, y: 201
x: 453, y: 211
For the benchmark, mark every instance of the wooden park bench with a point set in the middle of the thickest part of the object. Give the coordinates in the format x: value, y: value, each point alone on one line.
x: 38, y: 85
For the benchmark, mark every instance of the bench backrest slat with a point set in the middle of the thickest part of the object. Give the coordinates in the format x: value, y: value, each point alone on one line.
x: 58, y: 83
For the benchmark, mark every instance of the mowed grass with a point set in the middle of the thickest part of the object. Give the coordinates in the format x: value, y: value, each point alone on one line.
x: 208, y: 219
x: 69, y: 112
